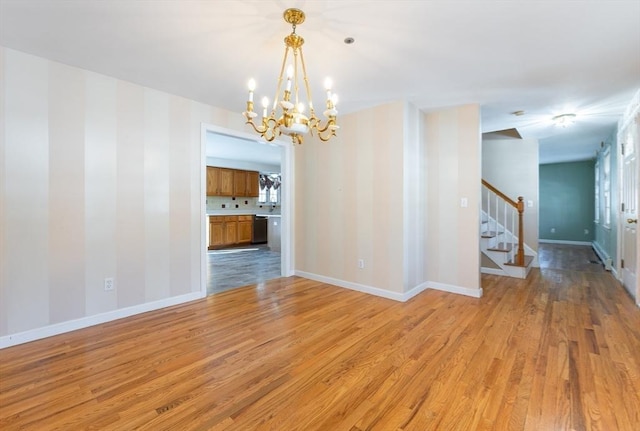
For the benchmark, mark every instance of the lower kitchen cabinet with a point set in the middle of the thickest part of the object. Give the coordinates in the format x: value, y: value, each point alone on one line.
x: 245, y: 229
x: 230, y: 230
x: 216, y: 232
x: 227, y: 231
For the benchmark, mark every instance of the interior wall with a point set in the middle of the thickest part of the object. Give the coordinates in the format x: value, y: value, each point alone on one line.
x: 453, y: 147
x: 349, y: 201
x: 567, y: 201
x: 414, y: 199
x: 100, y: 178
x: 511, y: 165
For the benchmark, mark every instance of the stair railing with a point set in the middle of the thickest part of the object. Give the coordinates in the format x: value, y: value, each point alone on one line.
x: 503, y: 211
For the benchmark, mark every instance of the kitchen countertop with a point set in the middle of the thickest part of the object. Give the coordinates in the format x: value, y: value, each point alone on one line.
x: 239, y: 212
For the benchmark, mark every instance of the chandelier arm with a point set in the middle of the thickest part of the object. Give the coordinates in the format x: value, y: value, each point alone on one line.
x: 267, y: 131
x: 330, y: 122
x: 270, y: 126
x: 260, y: 130
x: 306, y: 83
x: 328, y: 136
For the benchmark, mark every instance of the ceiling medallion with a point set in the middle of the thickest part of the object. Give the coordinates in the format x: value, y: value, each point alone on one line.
x: 287, y: 113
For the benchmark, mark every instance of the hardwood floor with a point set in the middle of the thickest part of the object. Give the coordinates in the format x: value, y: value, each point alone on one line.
x: 558, y: 351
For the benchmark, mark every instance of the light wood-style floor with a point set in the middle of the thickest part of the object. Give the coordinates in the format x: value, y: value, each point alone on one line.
x: 558, y: 351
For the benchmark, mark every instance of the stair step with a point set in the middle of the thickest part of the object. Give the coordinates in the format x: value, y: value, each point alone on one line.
x: 490, y: 234
x: 527, y: 262
x: 502, y: 247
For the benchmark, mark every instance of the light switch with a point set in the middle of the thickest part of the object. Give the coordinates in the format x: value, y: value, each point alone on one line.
x: 529, y: 204
x: 464, y: 202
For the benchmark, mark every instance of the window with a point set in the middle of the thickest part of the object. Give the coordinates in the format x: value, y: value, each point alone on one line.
x: 597, y: 192
x: 269, y: 189
x: 269, y: 196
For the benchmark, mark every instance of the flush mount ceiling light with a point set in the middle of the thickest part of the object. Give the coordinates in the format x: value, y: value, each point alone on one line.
x: 564, y: 120
x: 289, y: 119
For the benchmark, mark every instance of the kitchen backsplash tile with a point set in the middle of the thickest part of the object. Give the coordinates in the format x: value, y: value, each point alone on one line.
x: 220, y: 204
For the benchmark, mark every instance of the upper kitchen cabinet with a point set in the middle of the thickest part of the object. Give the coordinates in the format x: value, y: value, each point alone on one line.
x: 220, y: 181
x: 253, y: 184
x: 246, y: 184
x: 232, y: 182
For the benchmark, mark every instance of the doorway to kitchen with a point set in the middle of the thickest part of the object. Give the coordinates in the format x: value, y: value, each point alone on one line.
x: 250, y: 257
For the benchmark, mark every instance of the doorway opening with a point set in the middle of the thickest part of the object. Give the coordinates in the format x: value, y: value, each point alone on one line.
x: 238, y: 263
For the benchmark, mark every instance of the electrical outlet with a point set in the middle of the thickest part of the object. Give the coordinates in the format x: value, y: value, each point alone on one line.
x: 108, y: 284
x: 553, y: 230
x: 361, y: 263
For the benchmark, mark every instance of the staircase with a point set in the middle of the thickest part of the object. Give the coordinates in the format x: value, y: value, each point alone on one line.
x: 502, y: 235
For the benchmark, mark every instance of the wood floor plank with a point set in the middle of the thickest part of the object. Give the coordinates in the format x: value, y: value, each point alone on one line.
x: 560, y: 350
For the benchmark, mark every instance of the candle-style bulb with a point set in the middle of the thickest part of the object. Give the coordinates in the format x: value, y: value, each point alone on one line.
x: 252, y: 86
x: 327, y: 86
x: 265, y: 104
x: 289, y: 76
x: 334, y: 99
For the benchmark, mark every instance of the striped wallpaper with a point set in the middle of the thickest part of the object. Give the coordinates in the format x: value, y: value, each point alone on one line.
x: 100, y: 178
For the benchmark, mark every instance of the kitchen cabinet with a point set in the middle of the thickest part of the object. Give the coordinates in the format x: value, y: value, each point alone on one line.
x: 220, y: 181
x: 230, y: 230
x: 232, y: 182
x: 245, y: 183
x: 253, y: 184
x: 216, y: 232
x: 245, y: 229
x: 227, y: 231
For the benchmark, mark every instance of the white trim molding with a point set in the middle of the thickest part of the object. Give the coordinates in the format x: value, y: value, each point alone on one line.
x: 396, y: 296
x: 85, y: 322
x: 561, y: 241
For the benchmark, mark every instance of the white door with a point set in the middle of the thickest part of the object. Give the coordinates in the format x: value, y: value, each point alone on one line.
x: 629, y: 136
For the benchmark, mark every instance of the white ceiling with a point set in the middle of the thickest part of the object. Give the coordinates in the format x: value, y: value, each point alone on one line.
x: 258, y: 152
x: 543, y: 57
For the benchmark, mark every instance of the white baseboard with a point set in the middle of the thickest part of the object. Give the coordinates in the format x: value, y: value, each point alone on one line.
x: 600, y: 251
x: 560, y: 241
x: 492, y: 271
x: 466, y: 291
x: 396, y: 296
x: 85, y: 322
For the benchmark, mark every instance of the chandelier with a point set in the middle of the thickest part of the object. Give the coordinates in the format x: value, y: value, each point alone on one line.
x: 290, y: 119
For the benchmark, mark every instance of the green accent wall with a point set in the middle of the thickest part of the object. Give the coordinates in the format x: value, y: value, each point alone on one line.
x: 567, y: 201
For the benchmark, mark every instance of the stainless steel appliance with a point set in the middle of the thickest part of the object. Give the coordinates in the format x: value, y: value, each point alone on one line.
x: 259, y: 230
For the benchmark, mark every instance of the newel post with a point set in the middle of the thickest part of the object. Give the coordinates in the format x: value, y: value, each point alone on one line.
x: 520, y: 255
